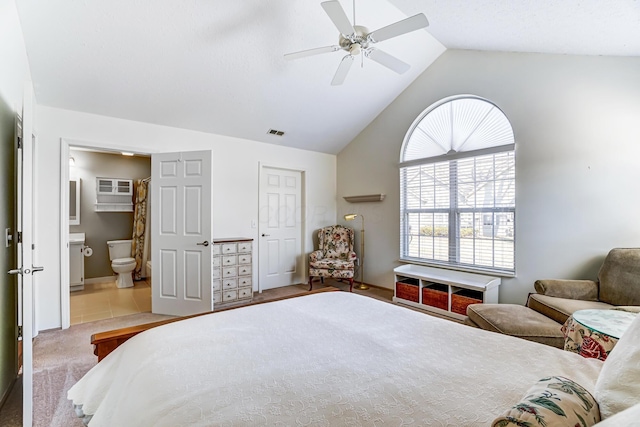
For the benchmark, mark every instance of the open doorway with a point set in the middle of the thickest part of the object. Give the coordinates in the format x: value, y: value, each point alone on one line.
x: 104, y: 260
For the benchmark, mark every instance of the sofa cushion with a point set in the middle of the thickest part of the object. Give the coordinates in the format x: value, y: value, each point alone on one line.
x: 619, y: 277
x: 559, y: 309
x: 332, y: 264
x: 325, y: 272
x: 574, y: 289
x: 552, y: 402
x: 618, y: 385
x: 518, y: 321
x: 467, y: 321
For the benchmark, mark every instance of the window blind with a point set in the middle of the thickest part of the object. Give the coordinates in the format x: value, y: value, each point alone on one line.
x: 459, y: 211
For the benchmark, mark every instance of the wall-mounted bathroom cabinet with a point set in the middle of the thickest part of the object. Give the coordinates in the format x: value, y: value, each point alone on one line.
x: 114, y: 187
x: 114, y: 195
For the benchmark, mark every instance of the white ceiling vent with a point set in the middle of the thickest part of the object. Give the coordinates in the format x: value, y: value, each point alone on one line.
x: 275, y: 132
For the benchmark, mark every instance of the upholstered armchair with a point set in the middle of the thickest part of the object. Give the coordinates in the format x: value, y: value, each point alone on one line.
x: 335, y: 256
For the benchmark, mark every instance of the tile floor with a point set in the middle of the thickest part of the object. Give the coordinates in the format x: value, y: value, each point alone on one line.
x: 104, y: 301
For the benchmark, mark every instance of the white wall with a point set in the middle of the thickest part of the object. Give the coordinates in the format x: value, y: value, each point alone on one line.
x: 235, y: 181
x: 14, y: 72
x: 577, y: 127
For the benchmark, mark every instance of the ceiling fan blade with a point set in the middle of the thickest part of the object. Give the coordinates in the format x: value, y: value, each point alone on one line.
x: 401, y: 27
x: 389, y: 61
x: 342, y: 71
x: 309, y: 52
x: 338, y: 17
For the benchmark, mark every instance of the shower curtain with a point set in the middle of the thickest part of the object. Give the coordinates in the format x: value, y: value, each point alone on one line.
x: 140, y: 246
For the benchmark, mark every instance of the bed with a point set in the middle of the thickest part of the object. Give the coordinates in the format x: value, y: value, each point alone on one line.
x: 327, y: 359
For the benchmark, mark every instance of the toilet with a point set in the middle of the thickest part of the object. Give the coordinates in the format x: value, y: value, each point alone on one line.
x: 121, y: 262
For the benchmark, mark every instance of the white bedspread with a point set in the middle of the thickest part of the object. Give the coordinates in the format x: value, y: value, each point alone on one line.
x: 332, y: 359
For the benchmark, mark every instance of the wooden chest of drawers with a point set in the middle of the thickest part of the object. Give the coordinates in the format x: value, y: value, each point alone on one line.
x: 232, y: 269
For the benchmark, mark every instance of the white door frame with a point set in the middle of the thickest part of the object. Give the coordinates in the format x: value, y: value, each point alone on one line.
x: 65, y: 144
x: 303, y: 215
x: 25, y: 218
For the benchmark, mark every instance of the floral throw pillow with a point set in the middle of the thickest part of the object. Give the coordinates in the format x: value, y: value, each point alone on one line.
x: 552, y: 402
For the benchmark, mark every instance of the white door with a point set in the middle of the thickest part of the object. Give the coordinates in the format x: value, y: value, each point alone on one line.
x: 181, y: 233
x: 24, y: 238
x: 281, y: 252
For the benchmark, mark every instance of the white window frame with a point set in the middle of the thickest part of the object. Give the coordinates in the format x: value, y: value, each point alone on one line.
x: 453, y: 211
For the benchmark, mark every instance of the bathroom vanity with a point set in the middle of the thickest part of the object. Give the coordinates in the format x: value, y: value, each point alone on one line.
x: 76, y: 261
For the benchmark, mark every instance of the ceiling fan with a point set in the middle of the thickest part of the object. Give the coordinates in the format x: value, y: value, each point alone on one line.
x: 356, y: 40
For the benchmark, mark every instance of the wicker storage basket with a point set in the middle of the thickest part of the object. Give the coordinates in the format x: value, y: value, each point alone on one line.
x: 407, y: 289
x: 436, y: 295
x: 461, y: 299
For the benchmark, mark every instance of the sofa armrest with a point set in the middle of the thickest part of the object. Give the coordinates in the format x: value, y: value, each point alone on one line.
x: 586, y: 290
x: 352, y: 256
x: 315, y: 256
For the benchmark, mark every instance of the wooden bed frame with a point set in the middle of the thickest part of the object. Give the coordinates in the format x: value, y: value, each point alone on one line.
x: 105, y: 342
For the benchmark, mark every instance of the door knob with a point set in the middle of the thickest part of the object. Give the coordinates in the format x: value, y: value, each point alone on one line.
x: 36, y: 269
x: 264, y: 235
x: 15, y: 271
x: 205, y: 243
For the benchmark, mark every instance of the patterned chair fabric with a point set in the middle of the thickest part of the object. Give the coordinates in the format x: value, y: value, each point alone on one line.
x: 335, y: 256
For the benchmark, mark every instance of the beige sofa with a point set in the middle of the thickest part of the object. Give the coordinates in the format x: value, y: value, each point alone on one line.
x: 546, y: 310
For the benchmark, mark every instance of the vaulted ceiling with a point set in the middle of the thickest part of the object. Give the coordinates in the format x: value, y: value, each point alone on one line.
x: 217, y: 66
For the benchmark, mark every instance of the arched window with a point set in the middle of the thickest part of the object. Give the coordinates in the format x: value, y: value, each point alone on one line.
x: 457, y: 184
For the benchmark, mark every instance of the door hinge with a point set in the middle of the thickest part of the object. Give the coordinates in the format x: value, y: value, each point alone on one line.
x: 19, y: 236
x: 19, y: 142
x: 19, y: 332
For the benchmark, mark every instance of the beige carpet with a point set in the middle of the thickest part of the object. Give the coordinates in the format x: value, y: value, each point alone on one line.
x: 62, y: 357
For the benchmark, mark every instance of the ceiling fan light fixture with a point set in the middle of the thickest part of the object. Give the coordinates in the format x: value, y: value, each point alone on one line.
x: 355, y: 49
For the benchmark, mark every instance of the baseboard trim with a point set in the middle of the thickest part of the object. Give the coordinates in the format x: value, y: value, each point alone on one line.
x: 95, y: 280
x: 373, y: 286
x: 8, y: 391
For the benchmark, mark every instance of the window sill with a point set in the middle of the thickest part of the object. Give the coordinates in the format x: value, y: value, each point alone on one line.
x: 499, y: 273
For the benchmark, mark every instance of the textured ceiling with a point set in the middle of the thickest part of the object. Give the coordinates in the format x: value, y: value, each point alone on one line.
x: 577, y: 27
x: 217, y: 66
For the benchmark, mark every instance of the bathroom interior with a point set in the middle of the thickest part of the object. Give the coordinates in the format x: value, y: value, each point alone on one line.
x: 106, y: 193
